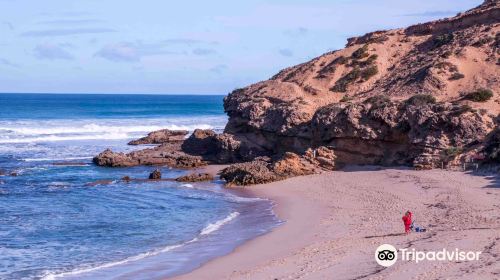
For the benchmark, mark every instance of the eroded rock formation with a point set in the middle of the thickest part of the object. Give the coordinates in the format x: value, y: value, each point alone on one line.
x: 161, y: 136
x: 420, y: 96
x: 361, y: 100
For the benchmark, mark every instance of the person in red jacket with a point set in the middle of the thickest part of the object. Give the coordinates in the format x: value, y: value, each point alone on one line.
x: 407, y: 221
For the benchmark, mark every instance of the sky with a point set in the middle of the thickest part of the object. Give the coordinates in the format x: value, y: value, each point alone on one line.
x: 182, y: 47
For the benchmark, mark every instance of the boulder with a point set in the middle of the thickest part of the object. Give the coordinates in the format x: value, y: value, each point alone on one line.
x: 126, y: 178
x: 291, y: 165
x: 322, y: 157
x: 195, y: 177
x: 248, y: 173
x: 161, y: 136
x: 155, y: 175
x: 112, y: 159
x: 201, y: 142
x: 217, y: 148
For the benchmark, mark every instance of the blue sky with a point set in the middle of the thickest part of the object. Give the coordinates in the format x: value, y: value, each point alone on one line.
x: 155, y: 46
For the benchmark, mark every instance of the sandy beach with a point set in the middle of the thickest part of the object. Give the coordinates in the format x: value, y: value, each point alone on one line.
x: 335, y: 221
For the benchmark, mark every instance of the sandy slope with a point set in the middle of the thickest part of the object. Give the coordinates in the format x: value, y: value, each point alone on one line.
x: 335, y: 221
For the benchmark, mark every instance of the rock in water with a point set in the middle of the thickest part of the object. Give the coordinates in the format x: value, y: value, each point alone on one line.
x: 155, y: 175
x: 161, y: 136
x: 112, y: 159
x: 195, y: 177
x: 126, y: 178
x: 161, y: 155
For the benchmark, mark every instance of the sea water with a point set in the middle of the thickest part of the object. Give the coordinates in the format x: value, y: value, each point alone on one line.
x: 61, y: 217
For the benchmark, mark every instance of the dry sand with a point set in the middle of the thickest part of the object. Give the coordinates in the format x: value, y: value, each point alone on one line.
x: 336, y: 220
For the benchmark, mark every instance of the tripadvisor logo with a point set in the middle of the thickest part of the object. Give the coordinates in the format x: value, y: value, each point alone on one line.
x: 387, y: 255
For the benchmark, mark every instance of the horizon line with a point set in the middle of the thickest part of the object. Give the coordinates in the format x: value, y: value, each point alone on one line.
x: 115, y: 93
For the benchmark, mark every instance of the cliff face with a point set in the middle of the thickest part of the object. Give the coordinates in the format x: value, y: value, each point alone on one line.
x: 358, y: 99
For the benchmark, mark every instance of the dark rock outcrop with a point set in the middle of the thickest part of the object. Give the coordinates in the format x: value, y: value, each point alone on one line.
x: 264, y: 170
x: 216, y: 148
x: 195, y: 177
x: 201, y: 142
x: 492, y: 148
x: 161, y: 136
x: 155, y: 175
x: 248, y: 173
x: 162, y: 155
x: 395, y: 133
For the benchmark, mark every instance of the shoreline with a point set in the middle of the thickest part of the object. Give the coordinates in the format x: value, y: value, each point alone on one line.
x: 334, y: 222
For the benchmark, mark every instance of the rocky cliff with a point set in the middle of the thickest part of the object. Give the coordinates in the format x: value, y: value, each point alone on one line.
x: 424, y: 95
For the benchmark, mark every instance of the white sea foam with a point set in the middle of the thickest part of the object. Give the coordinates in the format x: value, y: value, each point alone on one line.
x: 215, y: 226
x: 34, y: 131
x: 235, y: 198
x: 187, y: 186
x: 52, y: 275
x: 53, y: 159
x: 210, y: 228
x: 95, y: 128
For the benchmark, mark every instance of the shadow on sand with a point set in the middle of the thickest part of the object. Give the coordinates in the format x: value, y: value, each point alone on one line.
x: 491, y: 173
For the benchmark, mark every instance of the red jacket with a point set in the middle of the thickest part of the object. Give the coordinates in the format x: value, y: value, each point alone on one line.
x: 407, y: 220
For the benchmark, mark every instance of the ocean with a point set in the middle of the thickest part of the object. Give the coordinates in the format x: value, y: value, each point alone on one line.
x: 57, y: 223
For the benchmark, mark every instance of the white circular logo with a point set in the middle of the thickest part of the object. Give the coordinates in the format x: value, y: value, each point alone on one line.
x: 386, y: 255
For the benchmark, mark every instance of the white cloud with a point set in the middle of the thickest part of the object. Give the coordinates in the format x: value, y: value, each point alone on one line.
x: 52, y: 52
x: 219, y: 69
x: 202, y: 51
x: 66, y: 32
x: 286, y: 52
x: 7, y: 62
x: 121, y: 52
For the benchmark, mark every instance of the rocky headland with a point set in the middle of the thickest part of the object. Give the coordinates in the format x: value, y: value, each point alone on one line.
x: 424, y: 96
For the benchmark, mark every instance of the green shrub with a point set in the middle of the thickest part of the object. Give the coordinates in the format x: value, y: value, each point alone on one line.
x: 452, y: 152
x: 341, y: 60
x: 369, y: 61
x: 481, y: 95
x: 331, y: 67
x: 378, y: 100
x: 442, y: 40
x: 360, y: 53
x: 456, y: 76
x: 463, y: 109
x: 372, y: 58
x: 421, y: 100
x: 346, y: 98
x: 342, y: 83
x: 369, y: 72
